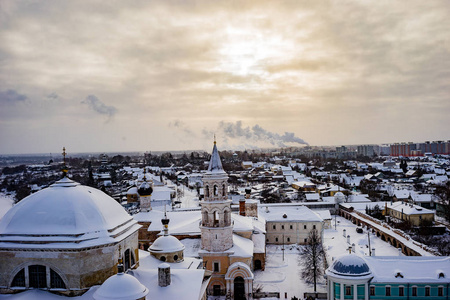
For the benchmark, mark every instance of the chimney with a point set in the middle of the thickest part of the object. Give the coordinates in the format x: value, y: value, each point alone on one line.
x: 373, y: 251
x: 242, y: 207
x: 353, y: 247
x: 164, y: 275
x: 248, y: 192
x: 399, y: 251
x: 348, y: 239
x: 344, y: 232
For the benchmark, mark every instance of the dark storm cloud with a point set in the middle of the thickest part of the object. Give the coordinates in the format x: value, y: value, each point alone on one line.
x: 98, y: 106
x: 11, y: 97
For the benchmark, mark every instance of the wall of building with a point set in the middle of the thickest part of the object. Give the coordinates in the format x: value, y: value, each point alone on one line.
x: 293, y: 232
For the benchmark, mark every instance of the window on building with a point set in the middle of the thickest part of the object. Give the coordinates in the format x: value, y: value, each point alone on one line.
x: 401, y: 291
x: 276, y: 239
x: 414, y: 291
x: 126, y: 262
x: 288, y: 239
x: 274, y: 227
x: 216, y: 267
x: 19, y: 279
x: 427, y: 291
x: 305, y: 241
x: 348, y: 290
x: 441, y: 275
x: 56, y: 281
x: 304, y: 226
x: 314, y: 226
x: 388, y: 291
x: 290, y: 227
x: 440, y: 291
x: 282, y: 226
x: 37, y: 276
x: 372, y: 291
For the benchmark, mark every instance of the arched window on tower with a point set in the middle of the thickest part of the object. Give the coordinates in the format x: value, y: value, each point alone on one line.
x: 207, y: 191
x: 226, y: 218
x: 215, y: 190
x: 216, y: 218
x: 224, y: 190
x: 205, y: 218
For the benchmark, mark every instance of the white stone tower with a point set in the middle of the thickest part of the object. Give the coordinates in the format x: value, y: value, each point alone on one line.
x: 216, y: 226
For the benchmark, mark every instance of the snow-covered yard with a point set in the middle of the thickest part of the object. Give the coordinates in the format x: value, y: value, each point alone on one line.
x: 283, y: 276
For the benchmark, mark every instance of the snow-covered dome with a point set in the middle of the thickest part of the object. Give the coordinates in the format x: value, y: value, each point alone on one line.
x: 350, y: 265
x: 66, y: 214
x: 339, y: 197
x: 166, y: 244
x: 120, y: 287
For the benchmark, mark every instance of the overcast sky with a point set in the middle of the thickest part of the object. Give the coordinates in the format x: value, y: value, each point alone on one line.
x: 168, y: 75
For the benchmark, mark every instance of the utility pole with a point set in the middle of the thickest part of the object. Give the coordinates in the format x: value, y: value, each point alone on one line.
x: 368, y: 237
x: 282, y: 247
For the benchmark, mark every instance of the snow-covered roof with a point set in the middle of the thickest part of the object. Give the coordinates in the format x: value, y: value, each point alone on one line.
x: 289, y: 214
x: 121, y: 287
x: 166, y: 244
x: 65, y: 215
x: 409, y: 209
x: 412, y: 269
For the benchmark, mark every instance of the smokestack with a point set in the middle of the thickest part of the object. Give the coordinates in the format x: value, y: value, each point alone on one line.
x: 164, y: 275
x: 242, y: 207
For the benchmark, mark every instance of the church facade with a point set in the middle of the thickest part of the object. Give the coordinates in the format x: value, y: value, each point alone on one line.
x: 228, y: 256
x: 65, y: 239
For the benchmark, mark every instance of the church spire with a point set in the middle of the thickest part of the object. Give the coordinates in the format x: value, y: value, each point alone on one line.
x: 64, y: 168
x: 215, y: 164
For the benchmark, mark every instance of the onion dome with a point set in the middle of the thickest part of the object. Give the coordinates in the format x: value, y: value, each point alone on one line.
x: 145, y: 189
x: 166, y: 247
x: 65, y: 215
x: 350, y: 265
x: 121, y: 287
x: 166, y: 244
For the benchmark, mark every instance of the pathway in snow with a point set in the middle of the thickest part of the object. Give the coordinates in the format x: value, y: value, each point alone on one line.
x: 336, y: 244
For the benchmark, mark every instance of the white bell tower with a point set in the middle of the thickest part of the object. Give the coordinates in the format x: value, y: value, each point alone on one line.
x: 216, y: 225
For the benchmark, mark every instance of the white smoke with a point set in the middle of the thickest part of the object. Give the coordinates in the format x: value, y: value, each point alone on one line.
x: 227, y: 131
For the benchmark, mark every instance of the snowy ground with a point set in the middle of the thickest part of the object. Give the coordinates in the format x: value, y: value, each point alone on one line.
x: 283, y: 276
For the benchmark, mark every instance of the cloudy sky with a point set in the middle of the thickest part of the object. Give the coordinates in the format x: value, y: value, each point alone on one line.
x: 168, y: 75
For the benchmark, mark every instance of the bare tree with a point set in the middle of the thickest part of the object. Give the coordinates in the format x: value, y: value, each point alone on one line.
x: 311, y: 258
x: 443, y: 198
